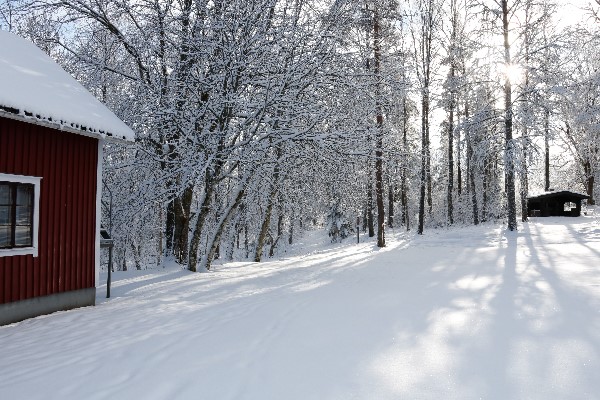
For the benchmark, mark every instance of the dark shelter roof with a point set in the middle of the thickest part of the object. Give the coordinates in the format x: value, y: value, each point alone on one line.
x: 562, y: 193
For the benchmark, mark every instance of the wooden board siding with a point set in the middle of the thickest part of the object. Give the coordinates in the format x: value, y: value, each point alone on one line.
x: 67, y: 215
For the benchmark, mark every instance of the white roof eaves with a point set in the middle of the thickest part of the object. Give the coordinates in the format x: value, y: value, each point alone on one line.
x: 49, y: 123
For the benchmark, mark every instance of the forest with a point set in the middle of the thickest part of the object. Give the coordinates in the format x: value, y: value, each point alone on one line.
x: 257, y: 120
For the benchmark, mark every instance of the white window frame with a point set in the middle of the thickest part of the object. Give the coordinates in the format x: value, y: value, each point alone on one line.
x: 35, y: 181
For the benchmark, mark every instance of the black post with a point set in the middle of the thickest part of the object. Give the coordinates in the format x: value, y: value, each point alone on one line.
x: 110, y: 249
x: 108, y: 280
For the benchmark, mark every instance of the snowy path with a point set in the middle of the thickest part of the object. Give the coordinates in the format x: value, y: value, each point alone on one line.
x: 460, y: 314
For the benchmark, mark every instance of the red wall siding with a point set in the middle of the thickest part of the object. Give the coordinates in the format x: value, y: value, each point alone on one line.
x: 67, y: 164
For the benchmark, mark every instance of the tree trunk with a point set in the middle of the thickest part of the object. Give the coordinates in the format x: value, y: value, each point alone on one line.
x: 264, y: 229
x: 474, y: 204
x: 390, y: 204
x: 246, y: 243
x: 450, y: 192
x: 524, y: 182
x: 589, y: 182
x: 170, y: 226
x: 136, y: 251
x: 231, y: 247
x: 160, y: 236
x: 485, y: 188
x: 547, y: 149
x: 215, y: 239
x: 182, y: 206
x: 468, y: 166
x: 370, y: 222
x: 266, y: 224
x: 200, y: 222
x: 379, y: 136
x: 508, y: 127
x: 471, y: 172
x: 124, y: 264
x: 404, y: 185
x: 429, y: 183
x: 459, y: 182
x: 424, y: 157
x: 452, y: 106
x: 424, y: 51
x: 474, y: 198
x: 525, y: 138
x: 183, y: 202
x: 404, y: 201
x: 279, y: 233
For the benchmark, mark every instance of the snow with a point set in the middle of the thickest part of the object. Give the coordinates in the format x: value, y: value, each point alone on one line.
x: 32, y: 83
x: 540, y: 193
x: 462, y: 313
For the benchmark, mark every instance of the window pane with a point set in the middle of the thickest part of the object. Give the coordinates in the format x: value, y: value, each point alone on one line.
x: 22, y: 236
x: 16, y: 220
x: 23, y: 215
x: 24, y: 195
x: 5, y: 197
x: 5, y: 217
x: 4, y: 236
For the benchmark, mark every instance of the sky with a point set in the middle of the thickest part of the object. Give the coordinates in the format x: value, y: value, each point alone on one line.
x: 573, y: 12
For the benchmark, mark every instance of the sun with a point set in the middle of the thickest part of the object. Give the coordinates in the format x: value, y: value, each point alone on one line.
x: 513, y: 72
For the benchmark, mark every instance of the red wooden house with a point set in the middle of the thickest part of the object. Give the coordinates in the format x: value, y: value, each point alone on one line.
x: 51, y: 136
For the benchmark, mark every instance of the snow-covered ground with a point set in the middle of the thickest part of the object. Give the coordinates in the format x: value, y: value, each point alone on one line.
x: 466, y: 313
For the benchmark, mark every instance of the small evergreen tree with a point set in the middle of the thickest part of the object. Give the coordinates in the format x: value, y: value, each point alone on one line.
x: 338, y: 226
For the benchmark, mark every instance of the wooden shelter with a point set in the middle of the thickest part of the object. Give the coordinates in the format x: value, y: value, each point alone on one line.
x: 556, y: 204
x: 51, y: 136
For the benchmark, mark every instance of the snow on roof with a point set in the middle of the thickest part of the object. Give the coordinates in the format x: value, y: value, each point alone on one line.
x: 36, y: 88
x: 557, y: 193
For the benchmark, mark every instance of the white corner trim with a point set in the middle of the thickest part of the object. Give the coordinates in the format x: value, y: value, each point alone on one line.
x: 35, y: 181
x: 98, y: 211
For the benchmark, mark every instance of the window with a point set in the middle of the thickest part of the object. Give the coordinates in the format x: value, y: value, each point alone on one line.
x: 19, y: 198
x: 569, y: 205
x: 16, y: 214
